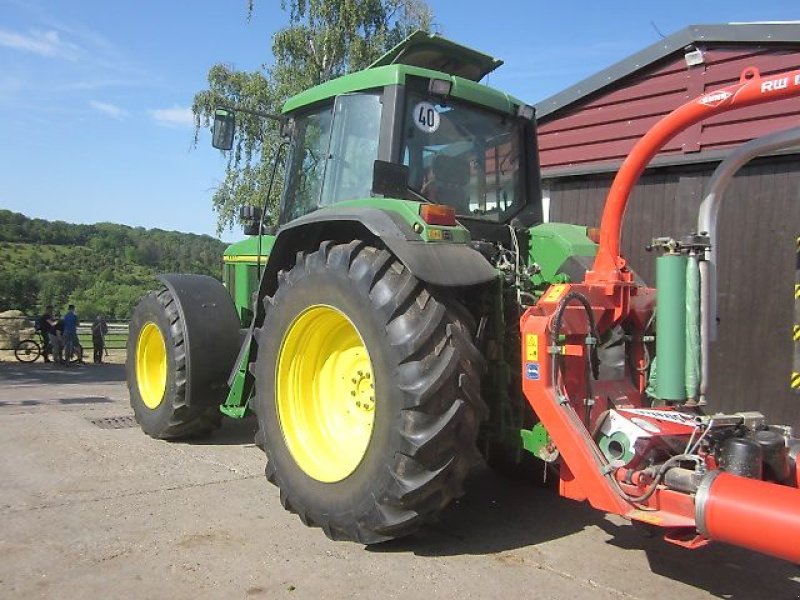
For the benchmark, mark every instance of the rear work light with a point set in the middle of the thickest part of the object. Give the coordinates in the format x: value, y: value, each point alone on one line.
x: 438, y: 214
x: 440, y: 87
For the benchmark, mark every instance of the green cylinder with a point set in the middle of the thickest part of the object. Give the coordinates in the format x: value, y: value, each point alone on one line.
x: 692, y: 327
x: 671, y: 327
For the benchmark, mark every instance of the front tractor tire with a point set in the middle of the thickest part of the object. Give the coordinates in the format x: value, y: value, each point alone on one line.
x: 367, y: 394
x: 157, y: 372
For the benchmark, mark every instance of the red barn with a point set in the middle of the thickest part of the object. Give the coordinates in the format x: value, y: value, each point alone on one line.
x: 586, y: 131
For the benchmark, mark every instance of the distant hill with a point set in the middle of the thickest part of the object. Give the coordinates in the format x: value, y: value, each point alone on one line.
x: 102, y: 268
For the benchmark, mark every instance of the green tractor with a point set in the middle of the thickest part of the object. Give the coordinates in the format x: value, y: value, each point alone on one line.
x: 374, y: 329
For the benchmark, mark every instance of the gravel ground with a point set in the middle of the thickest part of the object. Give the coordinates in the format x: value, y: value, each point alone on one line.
x: 93, y: 512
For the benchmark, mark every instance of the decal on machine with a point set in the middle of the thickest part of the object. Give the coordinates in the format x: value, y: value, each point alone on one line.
x: 670, y: 416
x: 714, y: 98
x: 532, y: 371
x: 532, y: 347
x: 425, y: 117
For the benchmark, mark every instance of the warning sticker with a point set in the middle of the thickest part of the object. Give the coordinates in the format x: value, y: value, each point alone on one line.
x: 532, y: 371
x: 425, y: 117
x: 532, y: 347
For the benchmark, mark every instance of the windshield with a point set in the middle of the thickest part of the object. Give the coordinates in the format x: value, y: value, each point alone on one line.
x: 463, y: 156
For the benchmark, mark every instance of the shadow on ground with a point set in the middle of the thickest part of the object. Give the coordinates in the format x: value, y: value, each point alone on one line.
x: 42, y: 374
x: 722, y: 570
x: 498, y: 515
x: 233, y: 432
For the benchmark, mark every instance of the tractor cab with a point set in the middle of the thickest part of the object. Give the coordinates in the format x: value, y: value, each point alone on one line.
x: 464, y: 145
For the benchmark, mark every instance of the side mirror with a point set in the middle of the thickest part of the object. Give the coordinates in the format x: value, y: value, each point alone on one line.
x: 223, y: 129
x: 389, y: 179
x: 251, y: 219
x: 249, y: 213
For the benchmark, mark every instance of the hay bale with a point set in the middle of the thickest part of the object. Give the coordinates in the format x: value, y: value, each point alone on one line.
x: 14, y: 326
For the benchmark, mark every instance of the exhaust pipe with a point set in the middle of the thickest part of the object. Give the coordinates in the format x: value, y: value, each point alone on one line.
x: 753, y: 514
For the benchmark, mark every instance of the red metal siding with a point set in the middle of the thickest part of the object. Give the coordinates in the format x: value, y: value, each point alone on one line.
x: 605, y: 127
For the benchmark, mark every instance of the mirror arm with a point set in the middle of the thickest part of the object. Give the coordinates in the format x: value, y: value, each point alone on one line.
x: 256, y: 113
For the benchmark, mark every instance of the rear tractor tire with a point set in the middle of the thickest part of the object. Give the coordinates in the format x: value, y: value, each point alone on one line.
x: 368, y: 394
x: 156, y: 372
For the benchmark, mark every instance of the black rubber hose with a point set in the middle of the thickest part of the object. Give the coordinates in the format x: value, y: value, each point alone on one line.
x: 591, y: 371
x: 590, y: 363
x: 656, y: 480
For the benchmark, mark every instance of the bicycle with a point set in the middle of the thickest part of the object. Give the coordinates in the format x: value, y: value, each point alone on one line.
x: 28, y: 350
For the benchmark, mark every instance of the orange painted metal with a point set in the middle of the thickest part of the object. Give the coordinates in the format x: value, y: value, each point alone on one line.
x: 583, y: 479
x: 752, y: 89
x: 754, y: 514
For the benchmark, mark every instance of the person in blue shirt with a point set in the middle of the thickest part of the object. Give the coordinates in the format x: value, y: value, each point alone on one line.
x: 71, y: 343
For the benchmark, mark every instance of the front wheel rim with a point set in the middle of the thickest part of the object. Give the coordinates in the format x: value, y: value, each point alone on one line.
x: 151, y: 365
x: 325, y: 393
x: 27, y: 351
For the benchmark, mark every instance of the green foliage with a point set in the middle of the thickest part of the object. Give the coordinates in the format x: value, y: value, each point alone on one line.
x: 324, y: 39
x: 102, y: 268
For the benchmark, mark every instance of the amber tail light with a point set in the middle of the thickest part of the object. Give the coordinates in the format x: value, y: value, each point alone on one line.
x: 438, y: 214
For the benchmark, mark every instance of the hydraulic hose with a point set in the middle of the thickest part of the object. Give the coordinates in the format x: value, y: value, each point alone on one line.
x: 662, y: 470
x: 557, y: 322
x: 591, y: 369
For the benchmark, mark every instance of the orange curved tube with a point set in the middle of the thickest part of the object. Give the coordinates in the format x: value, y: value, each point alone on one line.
x: 750, y: 90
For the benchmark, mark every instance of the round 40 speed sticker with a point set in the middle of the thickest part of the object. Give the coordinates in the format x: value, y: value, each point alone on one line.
x: 425, y: 117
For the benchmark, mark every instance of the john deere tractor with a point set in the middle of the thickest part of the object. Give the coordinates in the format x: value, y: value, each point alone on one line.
x: 374, y: 329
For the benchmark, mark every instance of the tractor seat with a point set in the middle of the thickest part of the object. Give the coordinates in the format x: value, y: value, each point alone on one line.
x: 448, y: 185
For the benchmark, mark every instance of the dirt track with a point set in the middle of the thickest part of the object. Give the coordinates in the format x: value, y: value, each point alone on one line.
x: 89, y: 512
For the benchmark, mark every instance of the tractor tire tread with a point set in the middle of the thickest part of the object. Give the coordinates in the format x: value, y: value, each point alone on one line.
x: 185, y: 422
x: 438, y: 374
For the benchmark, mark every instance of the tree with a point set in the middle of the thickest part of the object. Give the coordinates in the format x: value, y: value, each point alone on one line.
x: 323, y: 40
x: 18, y: 290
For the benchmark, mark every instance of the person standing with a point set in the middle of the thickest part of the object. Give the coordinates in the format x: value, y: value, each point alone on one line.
x: 56, y: 336
x: 71, y: 342
x: 99, y: 331
x: 44, y: 325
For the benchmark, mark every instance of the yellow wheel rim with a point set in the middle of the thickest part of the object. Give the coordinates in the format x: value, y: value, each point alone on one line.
x: 151, y: 365
x: 325, y: 393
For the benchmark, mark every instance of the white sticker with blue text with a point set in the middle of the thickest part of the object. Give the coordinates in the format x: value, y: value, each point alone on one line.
x: 532, y: 370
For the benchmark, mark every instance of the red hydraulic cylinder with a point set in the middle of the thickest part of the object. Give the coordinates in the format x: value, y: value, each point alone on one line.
x: 753, y: 514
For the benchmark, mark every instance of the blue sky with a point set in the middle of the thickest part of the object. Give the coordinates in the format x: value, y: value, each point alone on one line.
x: 94, y: 95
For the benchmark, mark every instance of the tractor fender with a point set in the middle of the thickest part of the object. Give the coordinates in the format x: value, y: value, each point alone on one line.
x: 210, y: 334
x: 437, y: 263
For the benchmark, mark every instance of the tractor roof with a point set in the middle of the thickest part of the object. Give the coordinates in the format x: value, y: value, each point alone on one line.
x: 431, y: 51
x: 419, y: 55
